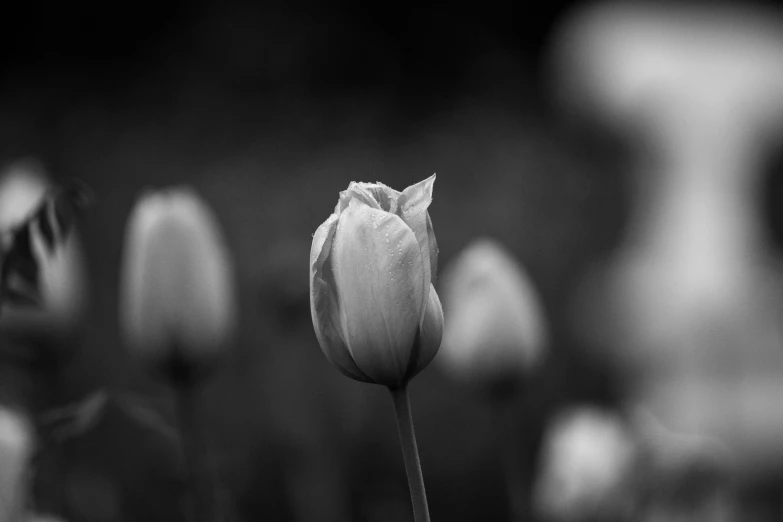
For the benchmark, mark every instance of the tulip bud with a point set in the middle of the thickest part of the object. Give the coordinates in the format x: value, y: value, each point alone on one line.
x: 496, y: 327
x: 23, y: 188
x: 16, y: 447
x: 375, y: 311
x: 587, y: 463
x: 178, y: 308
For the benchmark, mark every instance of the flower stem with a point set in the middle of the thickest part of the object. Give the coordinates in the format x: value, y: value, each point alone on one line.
x: 410, y: 453
x: 201, y: 488
x: 509, y: 443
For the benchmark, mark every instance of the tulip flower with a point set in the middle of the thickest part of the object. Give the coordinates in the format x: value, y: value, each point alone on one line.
x: 375, y: 310
x: 178, y: 309
x: 588, y: 459
x: 16, y: 448
x: 496, y: 328
x: 62, y: 280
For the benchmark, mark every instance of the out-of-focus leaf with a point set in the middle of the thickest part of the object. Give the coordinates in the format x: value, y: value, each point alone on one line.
x: 138, y: 409
x: 113, y: 438
x: 74, y: 419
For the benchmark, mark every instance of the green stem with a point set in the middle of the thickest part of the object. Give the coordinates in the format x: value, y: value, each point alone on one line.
x: 410, y: 453
x: 201, y: 487
x: 510, y: 441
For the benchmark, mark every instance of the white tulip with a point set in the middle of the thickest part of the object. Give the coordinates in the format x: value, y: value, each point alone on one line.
x: 375, y: 311
x: 178, y: 295
x: 23, y: 186
x: 587, y: 460
x: 495, y: 325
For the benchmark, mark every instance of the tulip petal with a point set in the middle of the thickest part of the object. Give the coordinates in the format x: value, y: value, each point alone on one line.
x: 380, y: 273
x: 324, y: 301
x: 413, y: 204
x: 376, y: 195
x: 429, y: 336
x: 355, y: 191
x: 433, y: 250
x: 384, y: 195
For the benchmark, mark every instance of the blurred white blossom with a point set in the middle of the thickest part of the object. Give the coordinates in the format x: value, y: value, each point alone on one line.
x: 587, y: 465
x: 494, y: 321
x: 23, y: 186
x: 690, y: 301
x: 178, y: 295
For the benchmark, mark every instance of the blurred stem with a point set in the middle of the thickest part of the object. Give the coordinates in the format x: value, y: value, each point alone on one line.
x: 201, y: 486
x: 410, y: 453
x: 510, y: 436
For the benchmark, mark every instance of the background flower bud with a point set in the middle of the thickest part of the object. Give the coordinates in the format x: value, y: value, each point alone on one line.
x: 178, y: 295
x: 495, y: 327
x: 375, y: 310
x: 23, y: 186
x: 588, y: 459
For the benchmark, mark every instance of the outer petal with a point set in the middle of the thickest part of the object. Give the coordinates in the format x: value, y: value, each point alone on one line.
x: 379, y: 273
x: 429, y: 336
x: 324, y: 300
x: 413, y: 204
x: 433, y: 250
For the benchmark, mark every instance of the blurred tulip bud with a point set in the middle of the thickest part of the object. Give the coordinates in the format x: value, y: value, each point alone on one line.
x: 62, y: 279
x: 588, y: 459
x: 375, y: 311
x: 16, y: 448
x: 495, y: 328
x: 178, y: 307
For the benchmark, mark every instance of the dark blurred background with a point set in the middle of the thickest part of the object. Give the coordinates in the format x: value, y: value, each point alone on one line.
x: 269, y: 110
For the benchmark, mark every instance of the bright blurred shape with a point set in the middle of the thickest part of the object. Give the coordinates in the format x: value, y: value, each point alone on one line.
x: 23, y: 186
x: 588, y: 459
x: 495, y: 326
x: 690, y: 301
x: 178, y: 297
